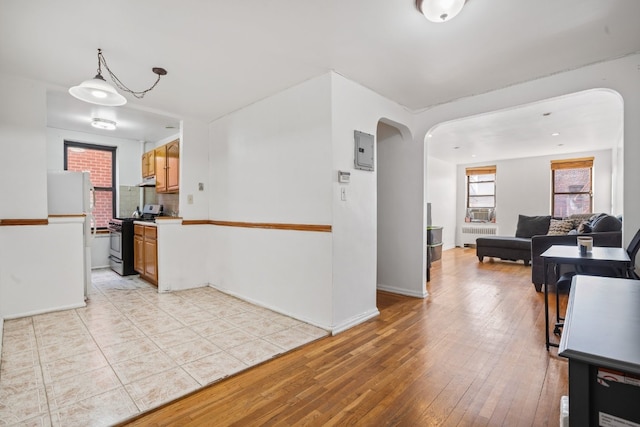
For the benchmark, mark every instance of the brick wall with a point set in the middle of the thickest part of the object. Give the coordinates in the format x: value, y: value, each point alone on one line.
x: 99, y: 164
x: 571, y: 180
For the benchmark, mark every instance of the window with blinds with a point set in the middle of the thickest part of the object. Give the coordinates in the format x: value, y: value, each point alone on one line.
x: 481, y: 194
x: 572, y: 185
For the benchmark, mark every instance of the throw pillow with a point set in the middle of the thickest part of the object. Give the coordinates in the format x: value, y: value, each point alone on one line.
x: 559, y: 227
x: 606, y: 223
x: 529, y: 226
x: 580, y: 218
x: 584, y: 227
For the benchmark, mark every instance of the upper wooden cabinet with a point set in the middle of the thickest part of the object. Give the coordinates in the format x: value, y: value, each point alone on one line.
x: 173, y: 166
x: 167, y: 167
x: 148, y: 164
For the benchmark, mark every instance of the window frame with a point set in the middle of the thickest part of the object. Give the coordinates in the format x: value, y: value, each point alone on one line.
x: 113, y: 189
x: 567, y: 164
x: 479, y: 171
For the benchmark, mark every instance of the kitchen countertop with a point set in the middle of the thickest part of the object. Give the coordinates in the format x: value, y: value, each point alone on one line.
x: 161, y: 219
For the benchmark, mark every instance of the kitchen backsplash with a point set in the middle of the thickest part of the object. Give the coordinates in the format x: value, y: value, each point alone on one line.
x: 169, y: 202
x: 129, y: 200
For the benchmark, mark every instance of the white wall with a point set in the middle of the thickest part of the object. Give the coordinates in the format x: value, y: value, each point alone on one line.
x: 523, y: 186
x: 441, y: 191
x: 392, y: 203
x: 41, y: 268
x: 271, y: 162
x: 194, y: 169
x: 620, y: 75
x: 277, y: 161
x: 23, y: 174
x: 183, y: 255
x: 355, y: 107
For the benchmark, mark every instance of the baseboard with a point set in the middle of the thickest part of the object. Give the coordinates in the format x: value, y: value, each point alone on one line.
x: 48, y: 310
x: 402, y: 291
x: 354, y: 321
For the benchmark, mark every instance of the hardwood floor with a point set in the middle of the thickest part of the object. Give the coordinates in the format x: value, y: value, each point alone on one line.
x: 472, y: 353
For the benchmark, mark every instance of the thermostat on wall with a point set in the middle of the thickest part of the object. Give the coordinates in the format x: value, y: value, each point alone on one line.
x: 344, y: 177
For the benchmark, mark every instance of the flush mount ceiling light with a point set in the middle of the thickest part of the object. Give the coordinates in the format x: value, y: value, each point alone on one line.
x: 440, y: 10
x: 98, y: 91
x: 103, y: 124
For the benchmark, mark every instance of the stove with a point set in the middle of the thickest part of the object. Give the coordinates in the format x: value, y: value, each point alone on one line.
x: 121, y: 246
x: 121, y: 240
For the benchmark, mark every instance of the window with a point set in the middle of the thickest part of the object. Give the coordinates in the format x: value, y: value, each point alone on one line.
x: 571, y: 180
x: 481, y: 194
x: 100, y: 161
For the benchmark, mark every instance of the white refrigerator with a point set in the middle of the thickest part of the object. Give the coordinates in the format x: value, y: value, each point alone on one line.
x: 71, y: 193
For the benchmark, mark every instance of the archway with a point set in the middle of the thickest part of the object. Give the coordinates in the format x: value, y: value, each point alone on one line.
x: 396, y: 257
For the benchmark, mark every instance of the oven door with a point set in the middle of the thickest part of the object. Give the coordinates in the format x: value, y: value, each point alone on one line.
x: 115, y: 244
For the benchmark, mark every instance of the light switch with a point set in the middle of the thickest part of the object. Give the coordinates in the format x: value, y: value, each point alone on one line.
x: 343, y: 193
x: 190, y: 199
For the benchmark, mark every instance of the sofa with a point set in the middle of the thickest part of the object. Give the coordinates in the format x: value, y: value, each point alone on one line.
x: 606, y: 230
x: 514, y: 248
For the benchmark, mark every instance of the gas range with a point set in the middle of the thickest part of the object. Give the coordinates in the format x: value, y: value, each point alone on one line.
x: 149, y: 214
x: 121, y: 233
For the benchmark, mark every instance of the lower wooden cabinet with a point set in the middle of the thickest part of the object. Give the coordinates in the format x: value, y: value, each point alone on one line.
x: 145, y: 252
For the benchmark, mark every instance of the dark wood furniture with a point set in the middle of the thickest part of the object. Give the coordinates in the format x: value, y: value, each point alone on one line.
x: 558, y: 255
x: 601, y: 339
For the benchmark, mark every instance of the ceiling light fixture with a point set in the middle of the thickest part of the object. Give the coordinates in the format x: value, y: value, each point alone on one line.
x: 440, y: 10
x: 98, y: 91
x: 103, y: 124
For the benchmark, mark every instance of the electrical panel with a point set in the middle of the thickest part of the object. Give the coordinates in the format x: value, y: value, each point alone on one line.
x: 364, y: 146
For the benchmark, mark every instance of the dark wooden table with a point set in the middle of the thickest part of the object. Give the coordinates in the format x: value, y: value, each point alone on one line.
x: 601, y: 339
x: 558, y: 254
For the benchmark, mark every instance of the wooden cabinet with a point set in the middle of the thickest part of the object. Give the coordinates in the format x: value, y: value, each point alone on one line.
x: 145, y: 249
x: 151, y: 254
x: 173, y: 166
x: 138, y: 248
x: 167, y: 167
x: 148, y: 164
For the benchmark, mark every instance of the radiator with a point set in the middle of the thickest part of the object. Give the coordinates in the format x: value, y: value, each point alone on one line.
x: 470, y: 233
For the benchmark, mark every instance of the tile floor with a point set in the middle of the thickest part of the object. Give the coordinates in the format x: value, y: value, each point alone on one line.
x: 132, y: 349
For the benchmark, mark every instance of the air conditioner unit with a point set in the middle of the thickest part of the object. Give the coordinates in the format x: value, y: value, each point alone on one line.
x: 480, y: 214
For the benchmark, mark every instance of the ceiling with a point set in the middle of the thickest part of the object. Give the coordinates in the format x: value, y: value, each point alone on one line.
x: 585, y: 121
x: 223, y: 55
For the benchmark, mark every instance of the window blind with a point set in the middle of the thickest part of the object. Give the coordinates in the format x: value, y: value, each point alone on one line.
x: 583, y: 162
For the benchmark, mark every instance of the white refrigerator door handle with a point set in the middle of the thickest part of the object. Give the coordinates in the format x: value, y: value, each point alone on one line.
x: 92, y: 189
x: 93, y: 229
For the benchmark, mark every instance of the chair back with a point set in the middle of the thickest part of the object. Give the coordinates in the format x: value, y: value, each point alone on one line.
x: 632, y: 251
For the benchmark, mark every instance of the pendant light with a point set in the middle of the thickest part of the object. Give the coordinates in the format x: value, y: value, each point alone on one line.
x: 440, y: 10
x: 98, y: 91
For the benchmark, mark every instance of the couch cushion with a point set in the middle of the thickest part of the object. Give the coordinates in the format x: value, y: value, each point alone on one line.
x: 506, y: 242
x: 606, y: 223
x: 529, y: 226
x: 560, y: 227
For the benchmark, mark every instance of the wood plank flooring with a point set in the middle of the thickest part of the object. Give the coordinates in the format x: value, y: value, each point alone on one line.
x: 471, y: 354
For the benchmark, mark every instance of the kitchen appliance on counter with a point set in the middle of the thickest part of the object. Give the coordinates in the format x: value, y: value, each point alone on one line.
x: 71, y: 193
x: 121, y: 256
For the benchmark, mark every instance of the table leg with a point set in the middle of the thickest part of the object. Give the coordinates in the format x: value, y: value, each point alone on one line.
x: 546, y: 302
